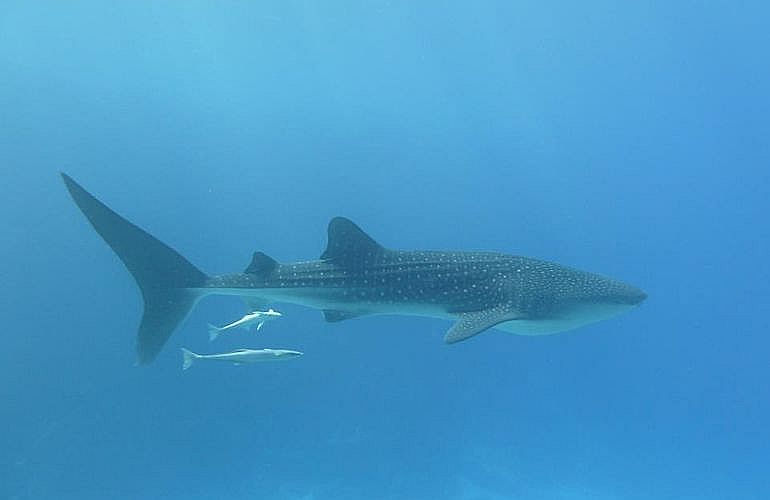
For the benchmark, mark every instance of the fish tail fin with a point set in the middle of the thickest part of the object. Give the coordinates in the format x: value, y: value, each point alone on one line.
x: 166, y: 279
x: 187, y: 358
x: 214, y: 332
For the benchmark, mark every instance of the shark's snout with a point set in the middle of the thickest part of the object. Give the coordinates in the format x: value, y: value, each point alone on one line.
x: 624, y: 294
x: 633, y: 296
x: 641, y: 297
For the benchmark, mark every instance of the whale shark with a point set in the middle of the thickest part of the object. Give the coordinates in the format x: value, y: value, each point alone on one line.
x: 357, y: 276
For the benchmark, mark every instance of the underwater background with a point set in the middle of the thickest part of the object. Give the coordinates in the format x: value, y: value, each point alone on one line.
x: 624, y: 138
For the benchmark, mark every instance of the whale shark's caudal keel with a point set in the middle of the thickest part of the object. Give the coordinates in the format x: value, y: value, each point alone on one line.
x: 357, y: 276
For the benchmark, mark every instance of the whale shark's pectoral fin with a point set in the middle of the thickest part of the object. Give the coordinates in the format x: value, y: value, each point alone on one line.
x: 471, y: 323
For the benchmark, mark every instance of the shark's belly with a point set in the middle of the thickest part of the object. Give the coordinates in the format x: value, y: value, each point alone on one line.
x: 538, y: 327
x: 367, y: 301
x: 359, y: 301
x: 569, y: 319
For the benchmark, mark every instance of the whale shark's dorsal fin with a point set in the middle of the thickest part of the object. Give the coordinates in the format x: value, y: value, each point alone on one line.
x: 349, y: 244
x: 261, y: 264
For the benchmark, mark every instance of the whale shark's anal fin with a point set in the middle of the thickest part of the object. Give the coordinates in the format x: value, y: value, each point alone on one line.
x: 163, y: 275
x: 255, y: 303
x: 473, y: 323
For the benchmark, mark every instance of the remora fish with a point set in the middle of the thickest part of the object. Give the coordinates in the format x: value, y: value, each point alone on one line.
x: 240, y: 356
x: 357, y: 276
x: 247, y: 321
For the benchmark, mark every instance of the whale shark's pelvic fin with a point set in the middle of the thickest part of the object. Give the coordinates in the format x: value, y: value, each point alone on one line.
x: 333, y: 316
x: 163, y: 275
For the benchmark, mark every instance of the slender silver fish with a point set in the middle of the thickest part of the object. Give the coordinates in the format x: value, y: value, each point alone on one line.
x: 247, y: 321
x: 240, y: 356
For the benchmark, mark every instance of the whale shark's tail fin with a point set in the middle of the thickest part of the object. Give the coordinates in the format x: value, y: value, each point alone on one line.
x: 163, y: 275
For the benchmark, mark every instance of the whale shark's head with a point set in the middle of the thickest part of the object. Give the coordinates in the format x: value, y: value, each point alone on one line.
x: 620, y: 293
x: 600, y: 298
x: 562, y: 299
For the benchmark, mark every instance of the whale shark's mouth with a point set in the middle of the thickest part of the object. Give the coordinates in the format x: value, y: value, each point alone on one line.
x: 573, y: 317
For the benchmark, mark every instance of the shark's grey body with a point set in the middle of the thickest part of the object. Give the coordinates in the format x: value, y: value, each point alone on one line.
x: 357, y: 276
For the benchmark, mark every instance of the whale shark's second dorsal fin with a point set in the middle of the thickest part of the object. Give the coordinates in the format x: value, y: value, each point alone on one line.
x: 349, y: 244
x: 261, y: 264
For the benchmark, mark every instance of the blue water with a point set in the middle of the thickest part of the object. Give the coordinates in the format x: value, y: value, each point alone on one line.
x: 629, y: 139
